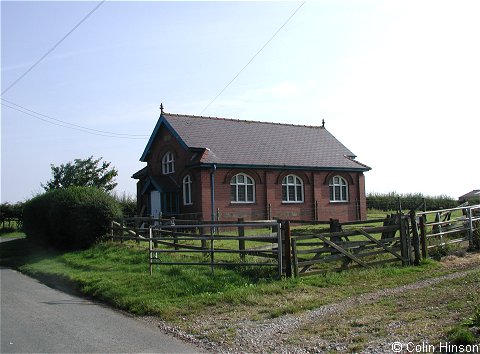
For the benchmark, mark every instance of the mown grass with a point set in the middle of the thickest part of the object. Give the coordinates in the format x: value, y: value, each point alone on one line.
x: 11, y: 233
x: 118, y: 274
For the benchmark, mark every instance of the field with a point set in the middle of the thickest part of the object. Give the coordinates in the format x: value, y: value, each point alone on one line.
x: 249, y: 310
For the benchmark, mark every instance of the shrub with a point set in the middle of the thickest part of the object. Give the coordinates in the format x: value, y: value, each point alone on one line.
x: 35, y: 218
x: 70, y: 219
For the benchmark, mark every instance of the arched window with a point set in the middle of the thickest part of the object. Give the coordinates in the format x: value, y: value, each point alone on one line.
x: 187, y: 190
x: 168, y: 163
x: 242, y: 189
x: 292, y: 189
x: 338, y: 189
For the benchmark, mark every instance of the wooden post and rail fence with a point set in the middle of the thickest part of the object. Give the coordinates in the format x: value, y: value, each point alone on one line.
x: 256, y: 243
x: 298, y: 248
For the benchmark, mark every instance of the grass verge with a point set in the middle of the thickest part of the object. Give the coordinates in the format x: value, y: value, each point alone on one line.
x: 11, y: 233
x: 190, y: 297
x: 118, y: 274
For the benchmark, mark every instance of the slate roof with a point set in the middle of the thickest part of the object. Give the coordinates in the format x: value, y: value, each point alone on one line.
x: 252, y: 143
x: 472, y: 194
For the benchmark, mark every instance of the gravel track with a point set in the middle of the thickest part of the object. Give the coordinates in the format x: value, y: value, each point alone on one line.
x: 256, y: 337
x: 272, y: 335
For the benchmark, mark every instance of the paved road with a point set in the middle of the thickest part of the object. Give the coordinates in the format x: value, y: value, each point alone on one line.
x: 38, y: 319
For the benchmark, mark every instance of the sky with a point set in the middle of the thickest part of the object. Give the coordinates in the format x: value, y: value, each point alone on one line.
x: 397, y: 82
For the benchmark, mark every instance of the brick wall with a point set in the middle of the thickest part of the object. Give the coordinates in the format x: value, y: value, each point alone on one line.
x: 268, y: 197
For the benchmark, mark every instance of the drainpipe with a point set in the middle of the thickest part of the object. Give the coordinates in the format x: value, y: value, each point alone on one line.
x: 212, y: 188
x: 359, y: 194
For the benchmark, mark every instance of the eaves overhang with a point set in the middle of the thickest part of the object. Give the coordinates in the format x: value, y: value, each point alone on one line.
x: 284, y: 167
x: 161, y: 122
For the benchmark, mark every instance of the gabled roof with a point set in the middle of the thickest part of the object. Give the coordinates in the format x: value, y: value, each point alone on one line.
x: 232, y: 142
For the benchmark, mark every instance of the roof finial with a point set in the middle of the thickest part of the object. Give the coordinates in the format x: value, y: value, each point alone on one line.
x: 323, y: 123
x: 161, y: 108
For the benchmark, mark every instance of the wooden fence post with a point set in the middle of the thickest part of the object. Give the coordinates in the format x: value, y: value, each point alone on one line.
x: 201, y: 231
x: 122, y: 225
x: 159, y: 234
x: 278, y: 229
x: 437, y: 228
x: 137, y: 234
x: 212, y: 250
x: 150, y: 248
x: 335, y: 226
x: 111, y: 230
x: 423, y: 237
x: 287, y: 247
x: 415, y: 238
x: 174, y: 233
x: 470, y: 228
x: 404, y: 244
x: 295, y: 258
x: 241, y: 243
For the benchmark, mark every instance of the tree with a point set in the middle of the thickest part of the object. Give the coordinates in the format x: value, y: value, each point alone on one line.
x: 83, y: 173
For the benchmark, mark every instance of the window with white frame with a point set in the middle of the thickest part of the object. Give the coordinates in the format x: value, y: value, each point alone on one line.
x: 338, y: 189
x: 242, y: 189
x: 187, y: 190
x: 292, y: 189
x: 168, y: 163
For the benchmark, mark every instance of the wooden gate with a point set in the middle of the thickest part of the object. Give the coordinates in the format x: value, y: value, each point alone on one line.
x: 442, y: 228
x: 221, y: 244
x: 352, y: 245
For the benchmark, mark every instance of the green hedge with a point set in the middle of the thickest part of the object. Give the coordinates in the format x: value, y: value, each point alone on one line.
x: 128, y: 204
x: 69, y: 219
x: 11, y: 216
x: 389, y: 201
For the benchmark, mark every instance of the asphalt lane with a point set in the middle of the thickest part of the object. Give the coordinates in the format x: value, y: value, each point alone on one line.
x: 38, y: 319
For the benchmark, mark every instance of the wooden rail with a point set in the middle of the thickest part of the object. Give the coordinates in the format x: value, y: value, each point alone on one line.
x: 312, y: 248
x: 354, y: 247
x: 204, y: 243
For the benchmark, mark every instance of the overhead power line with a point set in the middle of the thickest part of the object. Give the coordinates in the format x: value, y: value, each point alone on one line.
x: 54, y: 121
x: 263, y: 47
x: 53, y: 48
